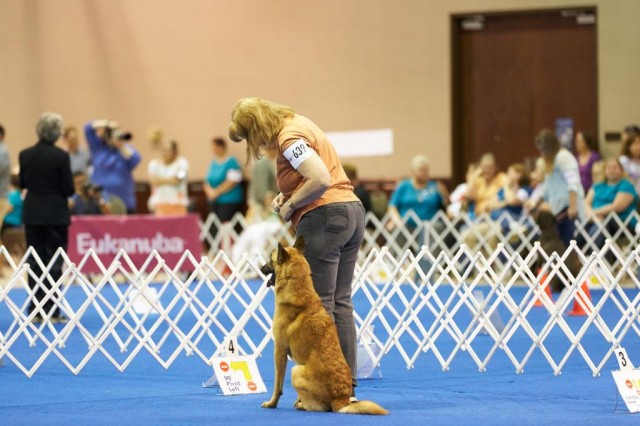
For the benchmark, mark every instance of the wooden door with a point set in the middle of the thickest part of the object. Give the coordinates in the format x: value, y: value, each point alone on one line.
x: 515, y: 74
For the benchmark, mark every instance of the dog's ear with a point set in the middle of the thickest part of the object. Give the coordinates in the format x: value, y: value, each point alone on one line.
x: 299, y: 244
x: 283, y: 256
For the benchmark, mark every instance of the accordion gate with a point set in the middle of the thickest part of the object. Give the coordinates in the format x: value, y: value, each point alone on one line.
x: 448, y: 303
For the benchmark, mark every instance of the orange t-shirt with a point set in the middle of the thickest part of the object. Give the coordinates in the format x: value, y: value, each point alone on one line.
x: 289, y: 179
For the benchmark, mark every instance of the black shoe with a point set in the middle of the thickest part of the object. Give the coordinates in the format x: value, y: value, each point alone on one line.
x: 59, y: 319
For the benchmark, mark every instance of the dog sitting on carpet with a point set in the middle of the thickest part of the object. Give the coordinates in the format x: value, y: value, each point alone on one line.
x: 550, y: 242
x: 303, y: 329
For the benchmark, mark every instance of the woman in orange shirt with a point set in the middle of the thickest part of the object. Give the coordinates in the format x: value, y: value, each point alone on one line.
x: 318, y: 198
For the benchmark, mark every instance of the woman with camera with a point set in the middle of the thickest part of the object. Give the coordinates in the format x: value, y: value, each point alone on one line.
x: 114, y: 160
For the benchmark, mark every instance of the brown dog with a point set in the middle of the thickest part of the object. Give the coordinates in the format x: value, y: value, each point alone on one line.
x: 303, y: 329
x: 549, y: 242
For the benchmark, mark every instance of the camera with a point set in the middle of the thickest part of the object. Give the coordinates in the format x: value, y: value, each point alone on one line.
x: 111, y: 133
x: 92, y: 190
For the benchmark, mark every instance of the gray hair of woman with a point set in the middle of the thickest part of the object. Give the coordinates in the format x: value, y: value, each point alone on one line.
x: 49, y: 127
x: 418, y: 162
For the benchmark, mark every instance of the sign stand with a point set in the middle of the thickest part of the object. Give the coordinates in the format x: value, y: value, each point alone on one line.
x: 495, y: 319
x: 235, y: 374
x: 627, y: 380
x: 366, y: 366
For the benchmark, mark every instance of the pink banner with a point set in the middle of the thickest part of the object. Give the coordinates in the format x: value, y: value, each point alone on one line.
x: 137, y: 235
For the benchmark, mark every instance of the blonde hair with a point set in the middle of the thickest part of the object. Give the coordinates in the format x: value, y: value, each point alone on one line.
x: 259, y: 122
x: 419, y: 161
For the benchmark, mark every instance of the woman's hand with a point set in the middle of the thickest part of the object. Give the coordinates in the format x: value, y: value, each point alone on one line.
x: 277, y: 203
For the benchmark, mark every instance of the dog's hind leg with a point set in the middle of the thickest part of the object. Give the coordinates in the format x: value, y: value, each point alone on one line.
x: 307, y: 398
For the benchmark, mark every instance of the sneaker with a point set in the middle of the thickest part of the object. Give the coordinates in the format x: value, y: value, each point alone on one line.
x: 37, y: 319
x: 59, y: 319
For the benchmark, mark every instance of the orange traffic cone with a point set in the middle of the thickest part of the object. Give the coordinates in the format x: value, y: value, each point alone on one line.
x: 547, y: 289
x: 580, y: 306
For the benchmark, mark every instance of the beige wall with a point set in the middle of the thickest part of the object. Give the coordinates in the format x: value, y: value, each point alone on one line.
x: 347, y: 64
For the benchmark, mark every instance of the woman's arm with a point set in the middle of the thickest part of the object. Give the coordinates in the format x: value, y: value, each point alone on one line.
x: 316, y: 181
x: 620, y: 203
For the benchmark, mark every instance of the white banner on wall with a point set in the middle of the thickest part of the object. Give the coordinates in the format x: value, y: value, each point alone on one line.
x: 362, y: 143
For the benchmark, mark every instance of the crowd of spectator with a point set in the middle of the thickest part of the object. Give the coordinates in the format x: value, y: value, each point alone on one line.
x: 571, y: 185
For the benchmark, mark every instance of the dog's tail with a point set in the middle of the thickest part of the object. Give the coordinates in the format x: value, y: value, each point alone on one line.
x: 363, y: 407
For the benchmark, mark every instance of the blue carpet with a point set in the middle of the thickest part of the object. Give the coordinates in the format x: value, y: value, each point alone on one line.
x: 147, y: 394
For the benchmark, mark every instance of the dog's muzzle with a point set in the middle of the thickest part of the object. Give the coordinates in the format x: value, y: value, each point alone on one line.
x: 267, y: 269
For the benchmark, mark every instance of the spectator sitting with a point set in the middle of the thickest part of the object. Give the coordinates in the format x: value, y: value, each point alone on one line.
x: 114, y: 160
x: 420, y: 195
x: 485, y: 184
x: 263, y: 185
x: 13, y: 219
x: 88, y: 198
x: 586, y: 154
x: 358, y: 187
x: 615, y: 194
x: 168, y: 177
x: 597, y: 172
x: 80, y: 158
x: 254, y: 238
x: 507, y: 207
x: 458, y: 202
x: 630, y: 154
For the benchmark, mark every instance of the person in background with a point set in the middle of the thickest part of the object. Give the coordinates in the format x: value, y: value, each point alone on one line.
x: 358, y: 187
x: 317, y: 197
x: 421, y: 196
x: 222, y: 185
x: 508, y: 206
x: 5, y: 177
x: 262, y: 186
x: 458, y: 204
x: 586, y: 152
x: 615, y: 194
x: 418, y: 194
x: 80, y: 157
x: 630, y: 154
x: 562, y: 192
x: 13, y: 219
x: 168, y: 178
x: 45, y: 175
x: 484, y: 185
x: 114, y: 159
x: 597, y: 172
x: 88, y: 198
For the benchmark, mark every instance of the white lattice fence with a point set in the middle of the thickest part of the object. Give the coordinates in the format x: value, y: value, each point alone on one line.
x: 446, y: 306
x: 441, y: 234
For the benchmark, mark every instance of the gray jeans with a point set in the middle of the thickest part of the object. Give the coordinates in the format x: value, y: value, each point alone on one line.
x: 332, y: 234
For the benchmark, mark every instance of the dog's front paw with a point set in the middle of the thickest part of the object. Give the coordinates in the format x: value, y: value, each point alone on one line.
x: 270, y: 404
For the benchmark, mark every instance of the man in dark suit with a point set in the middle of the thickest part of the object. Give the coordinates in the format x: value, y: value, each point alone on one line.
x: 45, y: 173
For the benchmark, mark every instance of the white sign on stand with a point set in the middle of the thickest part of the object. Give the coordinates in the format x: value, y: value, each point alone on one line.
x: 627, y: 381
x: 238, y: 375
x: 235, y: 374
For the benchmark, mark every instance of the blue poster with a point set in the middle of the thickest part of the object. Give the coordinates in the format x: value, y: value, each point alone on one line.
x: 564, y: 132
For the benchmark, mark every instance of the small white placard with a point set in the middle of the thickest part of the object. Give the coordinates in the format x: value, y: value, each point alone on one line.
x: 628, y: 383
x: 238, y: 375
x: 623, y: 359
x: 362, y: 143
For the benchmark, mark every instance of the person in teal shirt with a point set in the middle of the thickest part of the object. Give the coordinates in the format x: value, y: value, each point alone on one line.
x: 421, y: 196
x: 13, y: 219
x: 418, y: 194
x: 615, y: 194
x: 222, y: 185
